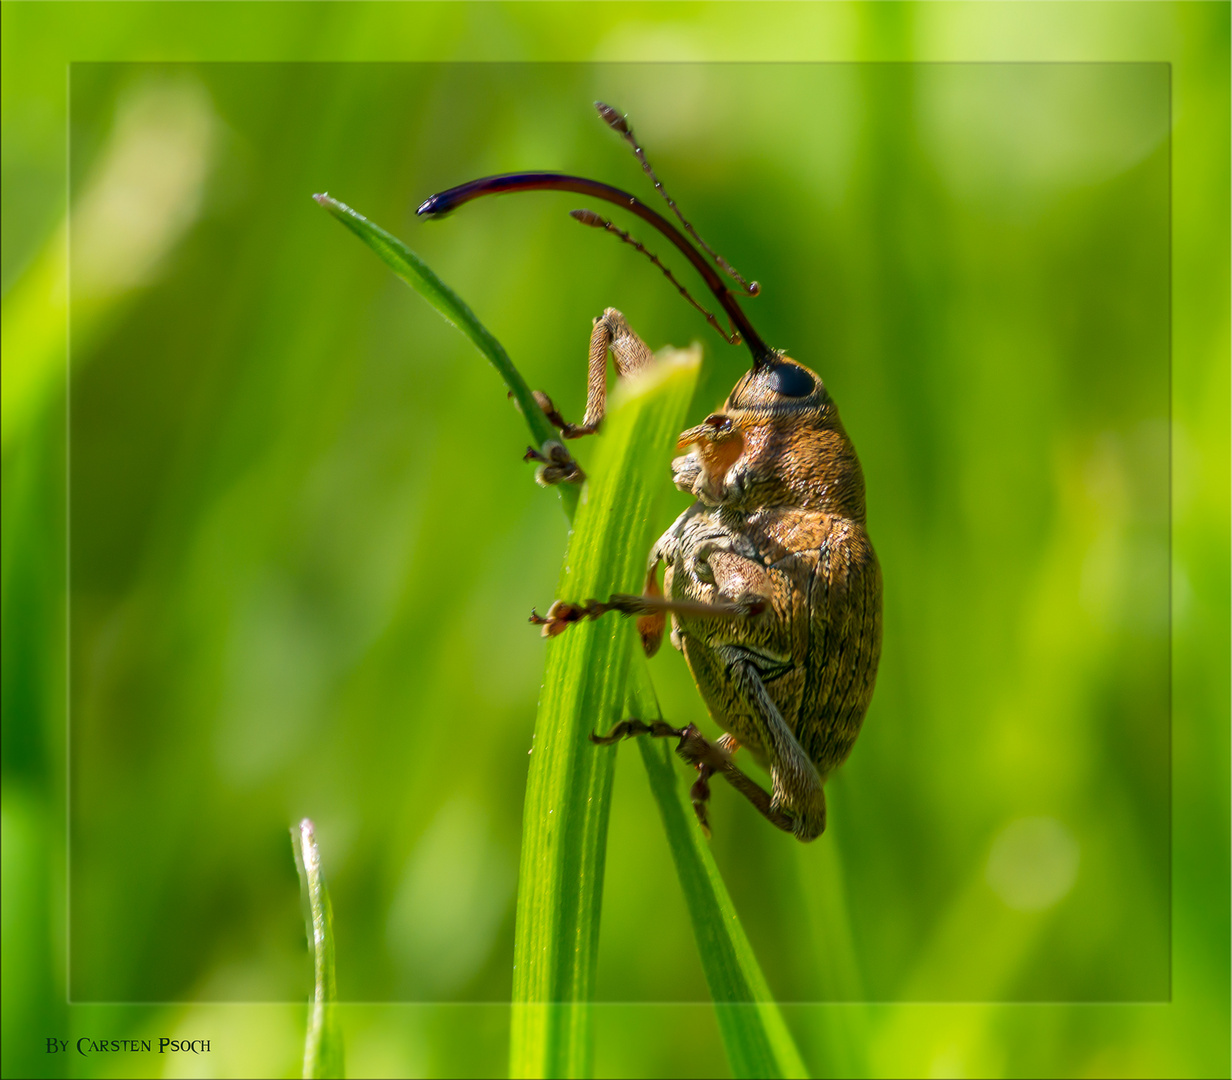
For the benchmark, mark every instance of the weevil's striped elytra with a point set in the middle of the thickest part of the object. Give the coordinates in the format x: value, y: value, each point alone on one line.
x: 770, y: 579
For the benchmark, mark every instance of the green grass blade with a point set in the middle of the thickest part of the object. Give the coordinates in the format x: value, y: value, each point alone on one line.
x: 565, y: 824
x: 420, y: 277
x: 323, y: 1052
x: 755, y: 1036
x: 568, y: 789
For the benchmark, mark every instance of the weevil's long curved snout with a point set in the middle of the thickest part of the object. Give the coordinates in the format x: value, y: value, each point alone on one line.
x: 445, y: 201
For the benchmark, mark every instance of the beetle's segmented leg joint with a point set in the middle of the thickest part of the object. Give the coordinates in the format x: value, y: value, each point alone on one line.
x: 708, y: 758
x: 631, y: 728
x: 700, y: 794
x: 695, y: 749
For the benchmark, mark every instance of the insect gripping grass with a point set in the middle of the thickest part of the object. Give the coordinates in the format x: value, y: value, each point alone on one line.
x: 770, y: 579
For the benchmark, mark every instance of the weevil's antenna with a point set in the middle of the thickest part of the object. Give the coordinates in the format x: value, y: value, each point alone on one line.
x: 620, y: 123
x: 445, y: 201
x: 589, y: 217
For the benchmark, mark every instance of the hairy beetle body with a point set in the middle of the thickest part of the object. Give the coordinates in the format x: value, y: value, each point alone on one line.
x: 772, y: 525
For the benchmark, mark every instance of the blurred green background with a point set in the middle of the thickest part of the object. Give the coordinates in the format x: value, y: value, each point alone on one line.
x: 301, y: 546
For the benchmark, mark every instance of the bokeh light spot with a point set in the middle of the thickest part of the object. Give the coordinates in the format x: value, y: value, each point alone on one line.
x: 1033, y: 863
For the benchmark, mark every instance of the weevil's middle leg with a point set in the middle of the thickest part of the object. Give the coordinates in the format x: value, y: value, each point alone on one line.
x: 631, y: 354
x: 564, y: 613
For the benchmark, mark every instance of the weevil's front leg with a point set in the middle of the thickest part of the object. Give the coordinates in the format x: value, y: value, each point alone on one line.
x: 630, y: 354
x: 556, y: 464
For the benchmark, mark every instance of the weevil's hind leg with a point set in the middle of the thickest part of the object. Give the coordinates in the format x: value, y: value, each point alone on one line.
x: 700, y: 791
x: 699, y: 794
x: 798, y: 793
x: 709, y: 759
x: 693, y: 745
x: 630, y: 353
x: 631, y: 728
x: 712, y: 759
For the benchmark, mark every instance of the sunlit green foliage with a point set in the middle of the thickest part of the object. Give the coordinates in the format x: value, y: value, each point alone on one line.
x: 565, y: 821
x: 569, y: 788
x: 303, y: 544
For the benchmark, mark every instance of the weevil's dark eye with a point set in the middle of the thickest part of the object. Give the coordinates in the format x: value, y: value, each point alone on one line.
x: 791, y: 380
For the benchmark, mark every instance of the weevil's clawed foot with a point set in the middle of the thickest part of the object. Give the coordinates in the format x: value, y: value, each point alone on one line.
x: 562, y: 613
x: 566, y: 429
x: 708, y: 758
x: 556, y: 464
x: 700, y: 794
x: 628, y: 729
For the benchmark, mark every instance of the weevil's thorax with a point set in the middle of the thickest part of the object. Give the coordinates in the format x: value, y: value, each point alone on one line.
x: 778, y: 442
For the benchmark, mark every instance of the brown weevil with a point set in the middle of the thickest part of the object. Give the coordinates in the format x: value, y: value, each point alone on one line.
x: 770, y: 578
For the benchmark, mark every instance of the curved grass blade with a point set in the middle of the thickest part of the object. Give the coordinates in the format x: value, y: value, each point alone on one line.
x: 553, y: 978
x: 755, y: 1036
x: 420, y: 277
x: 323, y: 1052
x: 564, y: 830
